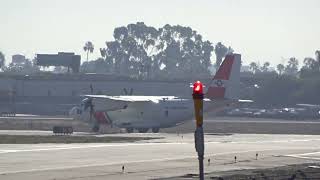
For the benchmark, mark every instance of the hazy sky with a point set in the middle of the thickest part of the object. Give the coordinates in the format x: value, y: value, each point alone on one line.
x: 261, y: 30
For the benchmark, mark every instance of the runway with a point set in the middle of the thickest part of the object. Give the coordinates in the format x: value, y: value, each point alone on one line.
x: 173, y: 155
x: 258, y: 120
x: 35, y: 117
x: 37, y: 133
x: 211, y: 125
x: 252, y: 126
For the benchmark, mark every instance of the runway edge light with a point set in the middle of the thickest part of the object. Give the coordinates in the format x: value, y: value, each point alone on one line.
x: 198, y: 134
x: 197, y: 88
x: 198, y: 102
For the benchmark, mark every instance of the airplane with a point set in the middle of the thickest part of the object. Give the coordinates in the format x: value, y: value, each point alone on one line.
x: 154, y: 112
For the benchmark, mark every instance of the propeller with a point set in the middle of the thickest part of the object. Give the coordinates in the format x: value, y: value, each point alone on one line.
x: 126, y: 91
x: 131, y: 91
x: 87, y: 102
x: 96, y: 125
x: 88, y: 105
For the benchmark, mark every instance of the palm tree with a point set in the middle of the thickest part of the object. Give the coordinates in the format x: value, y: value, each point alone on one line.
x: 2, y: 59
x: 292, y: 66
x: 265, y: 67
x: 254, y: 67
x: 88, y: 47
x: 318, y: 59
x: 280, y: 68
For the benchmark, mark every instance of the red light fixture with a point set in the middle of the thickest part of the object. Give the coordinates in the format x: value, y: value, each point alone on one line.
x: 197, y: 88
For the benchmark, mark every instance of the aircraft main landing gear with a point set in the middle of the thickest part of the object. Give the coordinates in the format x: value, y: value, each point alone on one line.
x: 155, y: 130
x: 129, y: 130
x: 143, y: 130
x: 95, y: 128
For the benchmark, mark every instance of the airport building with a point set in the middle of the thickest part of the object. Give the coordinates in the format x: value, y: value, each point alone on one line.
x: 56, y: 94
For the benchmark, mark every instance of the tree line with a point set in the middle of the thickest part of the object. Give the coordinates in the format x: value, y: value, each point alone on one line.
x: 27, y: 67
x: 289, y: 85
x: 178, y: 52
x: 144, y: 52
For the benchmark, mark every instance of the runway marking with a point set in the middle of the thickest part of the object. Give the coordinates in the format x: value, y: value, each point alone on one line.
x: 305, y: 155
x: 26, y: 115
x: 274, y: 141
x: 126, y: 162
x: 264, y: 121
x: 4, y: 151
x: 83, y: 147
x: 36, y: 118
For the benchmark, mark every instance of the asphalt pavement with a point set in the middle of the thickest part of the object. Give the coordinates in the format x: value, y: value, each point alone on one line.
x: 174, y: 155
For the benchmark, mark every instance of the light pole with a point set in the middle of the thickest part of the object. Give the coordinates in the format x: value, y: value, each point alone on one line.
x: 198, y: 134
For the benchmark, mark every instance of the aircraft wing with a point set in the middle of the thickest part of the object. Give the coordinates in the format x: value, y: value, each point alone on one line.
x: 112, y: 103
x: 128, y: 99
x: 309, y: 105
x: 245, y: 101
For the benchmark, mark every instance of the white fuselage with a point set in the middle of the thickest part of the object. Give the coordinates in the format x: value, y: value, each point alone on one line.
x: 163, y: 114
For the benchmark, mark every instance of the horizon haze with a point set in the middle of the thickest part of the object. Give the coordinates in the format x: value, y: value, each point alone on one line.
x: 266, y: 30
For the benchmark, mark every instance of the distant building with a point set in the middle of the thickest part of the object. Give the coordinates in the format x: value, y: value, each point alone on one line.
x: 245, y: 68
x: 69, y: 60
x: 18, y: 59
